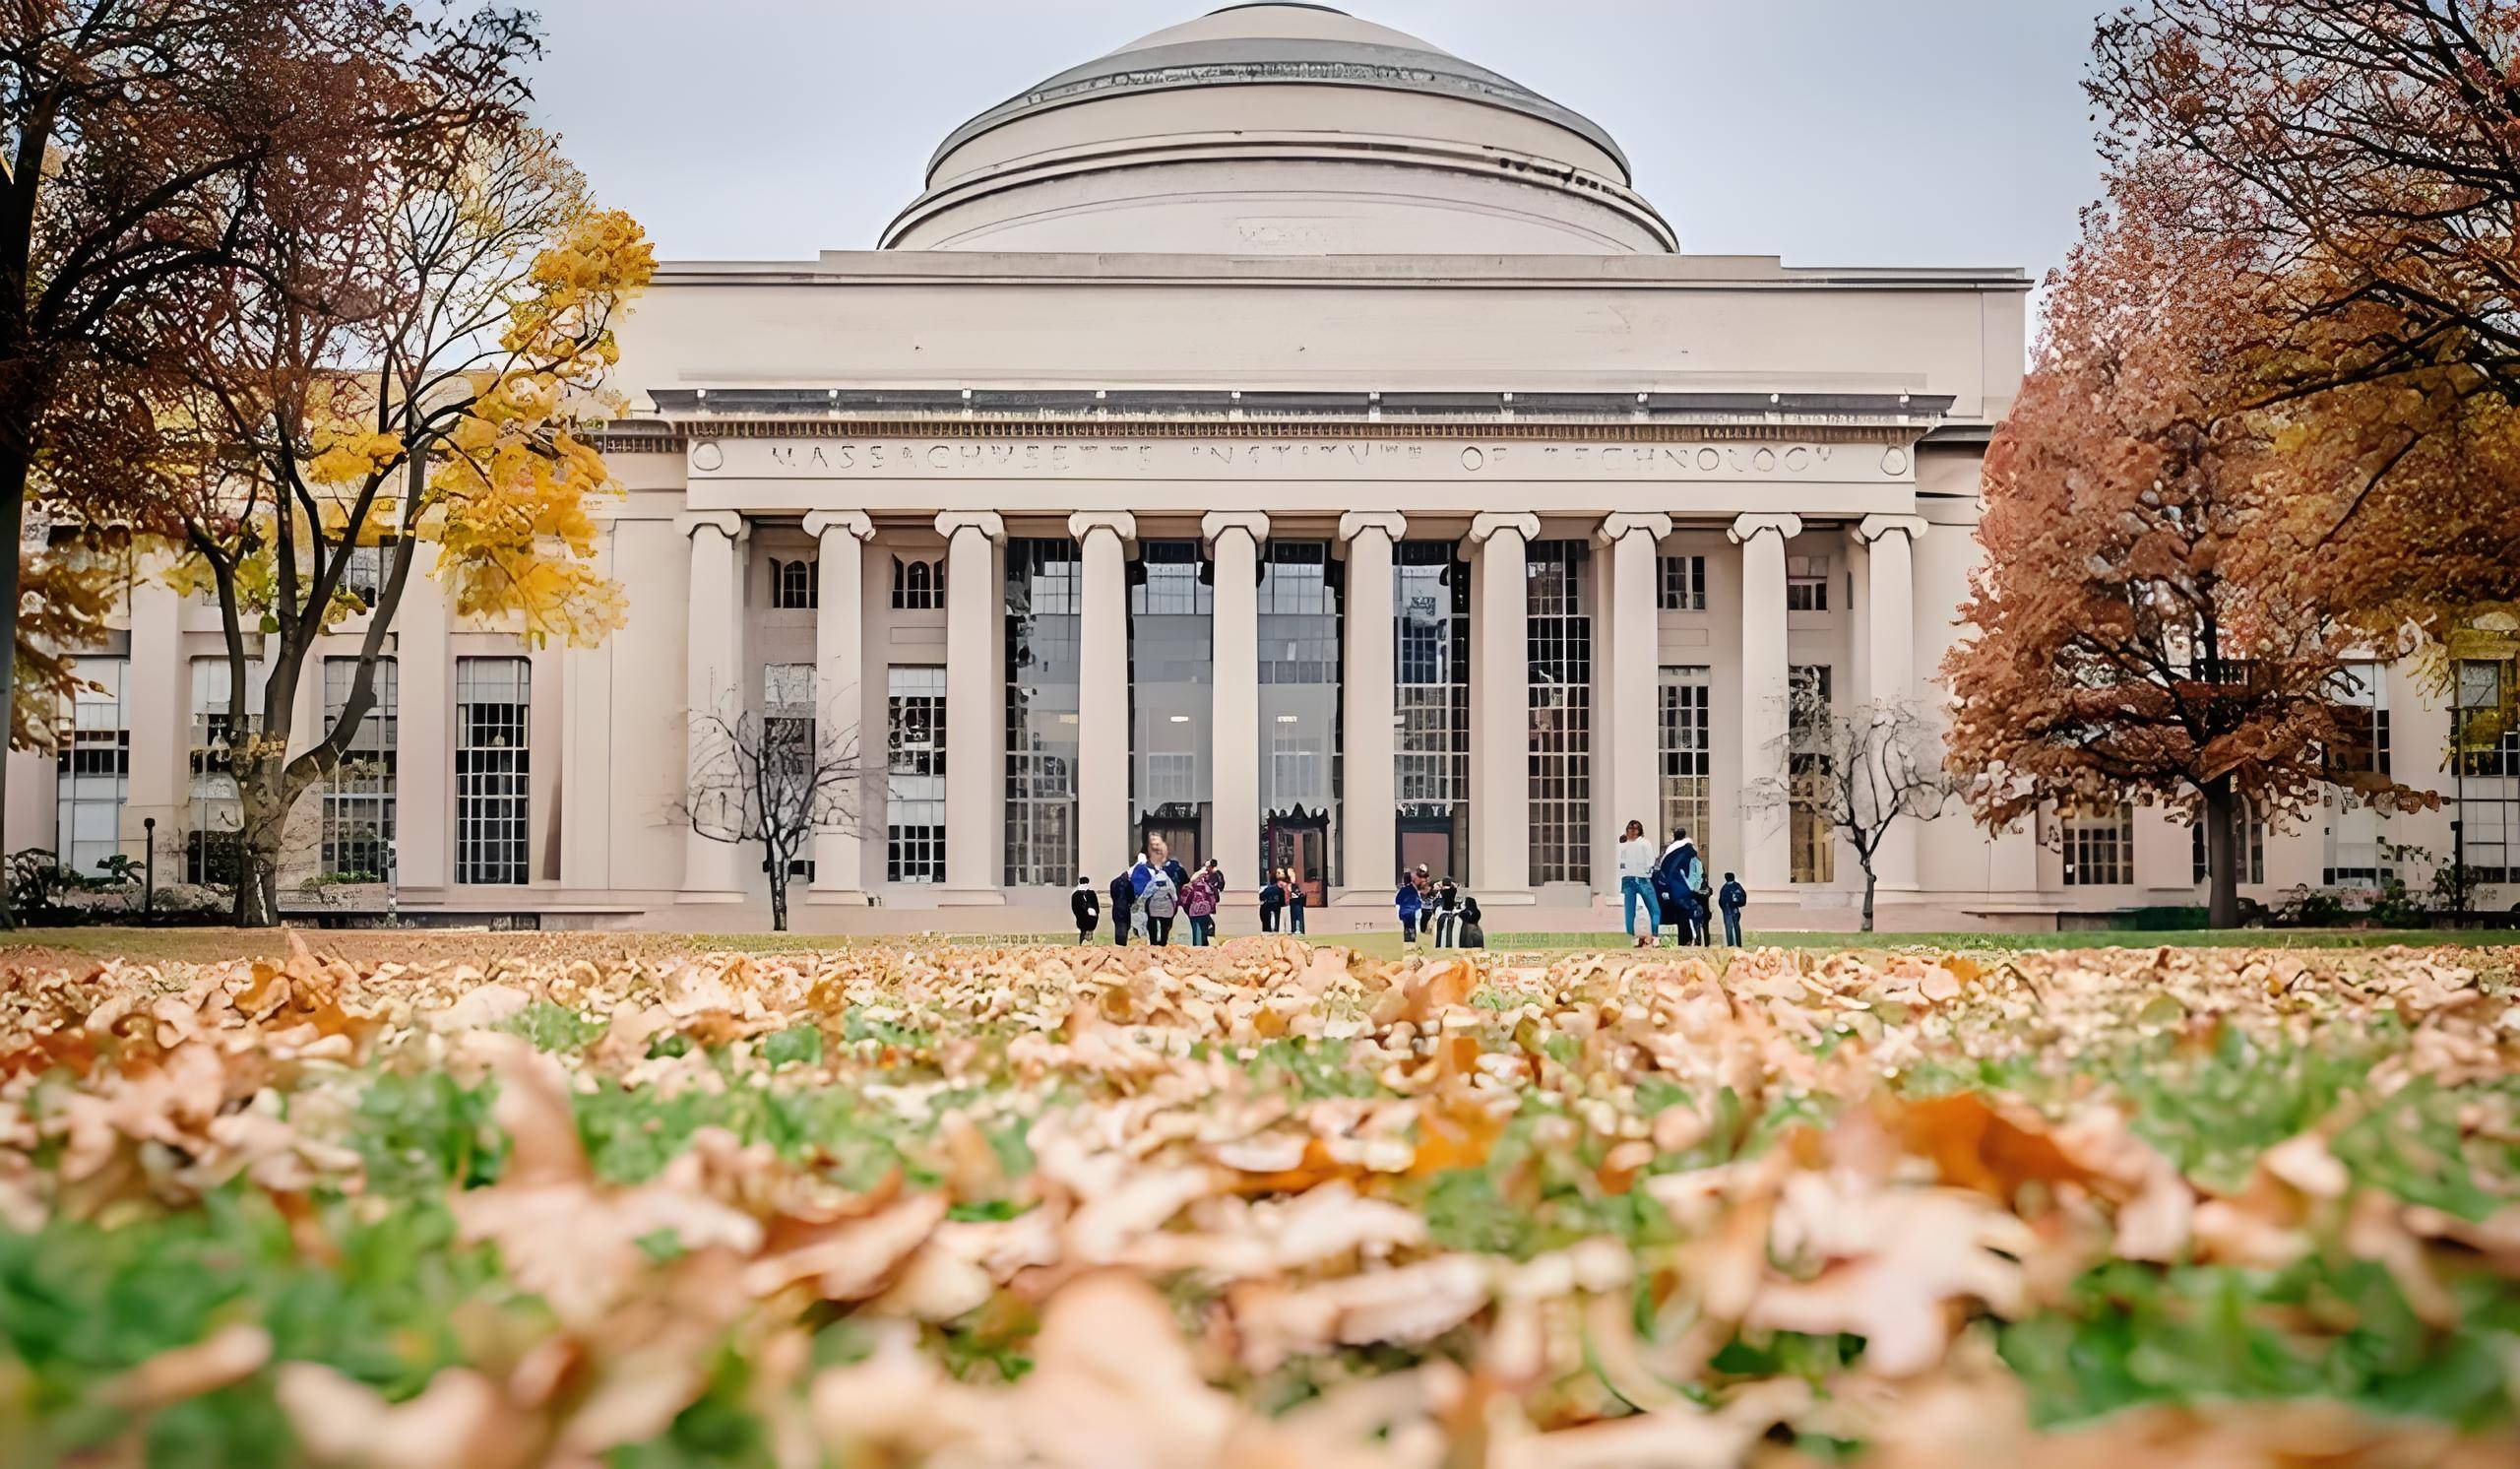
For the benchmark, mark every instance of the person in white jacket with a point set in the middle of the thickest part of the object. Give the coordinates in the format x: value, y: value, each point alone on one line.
x: 1636, y: 883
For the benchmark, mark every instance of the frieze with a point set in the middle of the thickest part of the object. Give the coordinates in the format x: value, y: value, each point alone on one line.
x: 910, y: 457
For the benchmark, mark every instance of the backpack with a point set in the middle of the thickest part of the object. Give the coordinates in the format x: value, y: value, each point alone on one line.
x: 1161, y: 900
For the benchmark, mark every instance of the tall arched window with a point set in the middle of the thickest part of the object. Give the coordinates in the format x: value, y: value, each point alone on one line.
x: 918, y: 586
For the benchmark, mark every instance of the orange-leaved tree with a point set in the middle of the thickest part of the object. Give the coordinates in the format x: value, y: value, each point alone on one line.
x: 2146, y: 626
x: 421, y: 376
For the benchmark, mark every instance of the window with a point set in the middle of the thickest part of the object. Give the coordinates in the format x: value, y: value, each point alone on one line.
x: 2486, y: 736
x: 1680, y: 586
x: 915, y: 775
x: 2252, y: 847
x: 494, y: 842
x: 2363, y: 707
x: 1044, y: 601
x: 215, y: 811
x: 788, y: 707
x: 1430, y: 625
x: 918, y: 586
x: 1810, y: 833
x: 363, y: 573
x: 1683, y: 751
x: 1807, y: 584
x: 94, y: 762
x: 1299, y: 596
x: 2100, y: 848
x: 1559, y: 638
x: 793, y: 584
x: 358, y: 799
x: 1171, y: 683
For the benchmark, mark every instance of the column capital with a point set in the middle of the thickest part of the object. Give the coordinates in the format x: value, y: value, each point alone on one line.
x: 1748, y: 528
x: 1216, y: 523
x: 822, y: 523
x: 1873, y: 526
x: 1355, y: 523
x: 1119, y: 523
x: 1491, y: 523
x: 1615, y: 527
x: 726, y: 523
x: 988, y: 522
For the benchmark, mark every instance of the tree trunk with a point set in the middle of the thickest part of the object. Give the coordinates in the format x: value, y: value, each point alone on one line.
x: 778, y: 893
x: 2221, y: 855
x: 1868, y: 882
x: 12, y: 521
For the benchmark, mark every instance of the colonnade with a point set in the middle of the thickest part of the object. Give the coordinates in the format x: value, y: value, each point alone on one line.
x: 975, y: 816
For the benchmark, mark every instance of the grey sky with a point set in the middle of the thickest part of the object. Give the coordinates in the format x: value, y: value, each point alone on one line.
x: 1830, y: 132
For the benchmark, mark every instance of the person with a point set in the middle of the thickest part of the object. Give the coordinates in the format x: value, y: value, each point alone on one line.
x: 1124, y: 899
x: 1161, y: 852
x: 1087, y: 904
x: 1199, y: 904
x: 1159, y: 902
x: 1408, y: 904
x: 1141, y: 877
x: 1473, y: 932
x: 1636, y: 884
x: 1732, y: 899
x: 1273, y: 899
x: 1681, y: 872
x: 1447, y: 915
x: 1294, y: 902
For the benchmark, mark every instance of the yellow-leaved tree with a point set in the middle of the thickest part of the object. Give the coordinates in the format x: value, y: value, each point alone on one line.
x: 397, y: 391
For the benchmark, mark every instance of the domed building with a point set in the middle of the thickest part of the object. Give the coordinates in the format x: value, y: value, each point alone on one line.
x: 1279, y: 438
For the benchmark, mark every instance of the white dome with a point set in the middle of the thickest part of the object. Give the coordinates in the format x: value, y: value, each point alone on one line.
x: 1281, y: 128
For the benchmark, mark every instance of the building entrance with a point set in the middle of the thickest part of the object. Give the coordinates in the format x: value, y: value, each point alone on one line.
x: 1299, y: 842
x: 1181, y: 835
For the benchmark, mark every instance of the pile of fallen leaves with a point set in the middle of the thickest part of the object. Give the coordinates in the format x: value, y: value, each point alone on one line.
x: 1261, y: 1205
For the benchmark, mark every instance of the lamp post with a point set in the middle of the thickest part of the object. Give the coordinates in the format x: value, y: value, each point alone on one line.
x: 148, y: 866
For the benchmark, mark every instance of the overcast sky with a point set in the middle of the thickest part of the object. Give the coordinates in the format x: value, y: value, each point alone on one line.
x: 1829, y: 132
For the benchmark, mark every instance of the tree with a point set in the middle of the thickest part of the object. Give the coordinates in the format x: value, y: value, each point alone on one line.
x: 774, y: 779
x: 477, y: 297
x: 137, y: 142
x: 2352, y: 162
x: 1858, y: 772
x: 2149, y: 623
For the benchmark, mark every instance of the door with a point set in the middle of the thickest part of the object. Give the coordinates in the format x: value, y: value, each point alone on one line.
x: 1429, y: 847
x: 1301, y: 845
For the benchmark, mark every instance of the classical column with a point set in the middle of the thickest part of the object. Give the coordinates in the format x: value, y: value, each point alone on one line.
x: 1891, y: 591
x: 975, y: 713
x: 712, y: 871
x: 1234, y: 725
x: 1103, y: 843
x: 1635, y: 674
x: 1500, y: 732
x: 840, y: 695
x: 1367, y: 802
x: 425, y: 730
x: 1766, y: 850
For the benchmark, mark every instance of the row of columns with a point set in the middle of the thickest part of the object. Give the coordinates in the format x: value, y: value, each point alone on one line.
x: 1499, y: 718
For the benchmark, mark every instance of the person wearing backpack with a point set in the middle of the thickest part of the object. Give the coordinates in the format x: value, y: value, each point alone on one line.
x: 1733, y: 897
x: 1124, y: 901
x: 1199, y: 904
x: 1273, y: 900
x: 1159, y: 902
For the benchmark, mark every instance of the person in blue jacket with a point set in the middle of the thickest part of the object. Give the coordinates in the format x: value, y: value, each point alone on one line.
x: 1680, y: 872
x: 1409, y: 902
x: 1732, y: 899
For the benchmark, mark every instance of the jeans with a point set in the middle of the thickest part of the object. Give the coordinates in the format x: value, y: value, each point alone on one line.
x: 1267, y: 920
x: 1295, y: 920
x: 1634, y: 890
x: 1733, y: 928
x: 1409, y: 927
x: 1119, y: 928
x: 1159, y: 930
x: 1201, y: 925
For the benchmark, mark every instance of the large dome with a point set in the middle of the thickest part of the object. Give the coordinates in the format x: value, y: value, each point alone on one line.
x: 1281, y: 129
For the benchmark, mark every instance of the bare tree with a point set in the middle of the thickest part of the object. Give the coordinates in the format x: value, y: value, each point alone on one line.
x: 774, y: 779
x: 1856, y: 772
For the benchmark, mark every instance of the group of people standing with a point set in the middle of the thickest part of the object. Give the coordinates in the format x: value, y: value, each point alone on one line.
x: 1150, y: 896
x: 1671, y: 887
x: 1437, y: 912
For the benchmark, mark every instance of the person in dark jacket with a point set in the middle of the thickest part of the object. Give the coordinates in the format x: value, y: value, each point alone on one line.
x: 1124, y: 896
x: 1678, y: 873
x: 1294, y: 902
x: 1087, y: 906
x: 1473, y: 933
x: 1732, y: 899
x: 1406, y: 902
x: 1273, y: 899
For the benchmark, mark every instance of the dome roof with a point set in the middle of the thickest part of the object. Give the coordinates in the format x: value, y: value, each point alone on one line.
x: 1281, y: 128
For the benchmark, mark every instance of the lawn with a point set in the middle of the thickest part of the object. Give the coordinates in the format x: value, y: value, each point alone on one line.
x: 506, y: 1200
